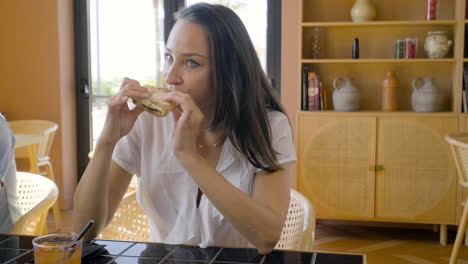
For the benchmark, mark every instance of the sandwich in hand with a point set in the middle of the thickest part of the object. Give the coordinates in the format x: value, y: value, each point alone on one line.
x: 155, y: 104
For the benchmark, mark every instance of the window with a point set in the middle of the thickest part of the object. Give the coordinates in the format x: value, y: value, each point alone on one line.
x: 124, y: 43
x: 254, y: 17
x: 125, y: 38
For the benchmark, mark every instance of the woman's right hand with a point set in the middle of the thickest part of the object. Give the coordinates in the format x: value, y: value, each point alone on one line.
x: 120, y: 119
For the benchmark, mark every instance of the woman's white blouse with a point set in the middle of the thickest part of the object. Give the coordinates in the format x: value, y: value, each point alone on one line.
x: 167, y: 193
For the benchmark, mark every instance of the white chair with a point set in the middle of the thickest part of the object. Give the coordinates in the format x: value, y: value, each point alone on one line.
x: 46, y: 129
x: 459, y: 144
x: 36, y: 195
x: 299, y: 229
x: 130, y: 221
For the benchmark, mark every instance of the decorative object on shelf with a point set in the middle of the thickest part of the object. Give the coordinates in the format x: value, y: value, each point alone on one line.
x: 427, y: 97
x: 317, y: 94
x: 411, y: 46
x: 437, y: 44
x: 313, y: 90
x: 317, y: 44
x: 432, y: 9
x: 465, y: 88
x: 362, y: 11
x: 400, y: 49
x: 390, y: 92
x: 305, y: 87
x: 356, y: 48
x: 346, y: 96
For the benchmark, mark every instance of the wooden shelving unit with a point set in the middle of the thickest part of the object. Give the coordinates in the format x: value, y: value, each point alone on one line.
x: 417, y: 182
x: 377, y: 39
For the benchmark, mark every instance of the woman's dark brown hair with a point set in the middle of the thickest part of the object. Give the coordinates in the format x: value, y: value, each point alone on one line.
x: 244, y: 95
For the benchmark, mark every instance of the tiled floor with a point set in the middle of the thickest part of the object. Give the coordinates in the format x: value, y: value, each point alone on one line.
x: 382, y: 245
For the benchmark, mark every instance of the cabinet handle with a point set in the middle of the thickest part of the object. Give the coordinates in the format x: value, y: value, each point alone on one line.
x: 379, y: 168
x: 372, y: 168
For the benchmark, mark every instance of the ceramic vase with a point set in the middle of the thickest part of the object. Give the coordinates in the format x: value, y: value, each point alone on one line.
x: 362, y: 11
x: 390, y: 92
x: 346, y: 96
x: 426, y: 97
x: 437, y: 44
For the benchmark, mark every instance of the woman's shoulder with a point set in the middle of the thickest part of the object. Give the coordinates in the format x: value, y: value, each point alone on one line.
x: 277, y: 117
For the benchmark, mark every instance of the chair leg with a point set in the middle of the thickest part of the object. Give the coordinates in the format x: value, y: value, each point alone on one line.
x: 32, y: 154
x: 460, y: 234
x: 45, y: 229
x: 55, y: 208
x: 42, y: 226
x: 466, y: 238
x: 443, y: 235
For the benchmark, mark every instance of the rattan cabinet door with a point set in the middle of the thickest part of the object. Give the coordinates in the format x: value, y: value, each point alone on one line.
x: 416, y: 181
x: 334, y: 157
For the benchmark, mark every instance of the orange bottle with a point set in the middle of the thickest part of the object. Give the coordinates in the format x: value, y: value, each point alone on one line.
x: 390, y: 92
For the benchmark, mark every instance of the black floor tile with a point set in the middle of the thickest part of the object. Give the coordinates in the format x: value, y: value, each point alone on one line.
x: 98, y: 260
x: 23, y: 259
x: 324, y: 258
x: 151, y: 250
x: 5, y: 237
x: 241, y: 255
x: 114, y: 247
x: 180, y: 261
x: 23, y: 242
x: 7, y: 255
x: 194, y: 253
x: 224, y: 262
x: 135, y: 260
x: 287, y: 257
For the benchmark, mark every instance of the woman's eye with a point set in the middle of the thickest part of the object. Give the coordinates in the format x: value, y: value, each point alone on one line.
x: 192, y: 63
x: 168, y: 57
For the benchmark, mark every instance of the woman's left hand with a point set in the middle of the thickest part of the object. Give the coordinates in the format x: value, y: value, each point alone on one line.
x: 188, y: 119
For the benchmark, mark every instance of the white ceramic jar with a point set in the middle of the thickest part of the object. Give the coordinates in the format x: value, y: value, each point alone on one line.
x: 346, y: 96
x: 426, y: 97
x: 437, y: 44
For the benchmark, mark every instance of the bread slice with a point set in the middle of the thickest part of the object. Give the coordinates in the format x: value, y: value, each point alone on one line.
x: 155, y: 104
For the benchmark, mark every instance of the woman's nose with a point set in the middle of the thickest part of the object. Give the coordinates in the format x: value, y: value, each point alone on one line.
x: 172, y: 75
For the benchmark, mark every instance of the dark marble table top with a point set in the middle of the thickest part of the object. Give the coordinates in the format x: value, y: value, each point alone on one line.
x: 18, y: 249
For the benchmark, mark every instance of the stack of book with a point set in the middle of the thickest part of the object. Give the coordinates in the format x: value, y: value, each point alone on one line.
x: 314, y: 95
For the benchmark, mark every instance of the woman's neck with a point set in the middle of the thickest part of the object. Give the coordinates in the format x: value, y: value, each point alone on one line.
x: 211, y: 136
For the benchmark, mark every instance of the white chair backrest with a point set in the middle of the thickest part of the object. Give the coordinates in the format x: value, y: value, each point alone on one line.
x: 459, y: 144
x: 131, y: 223
x: 299, y: 229
x: 36, y: 195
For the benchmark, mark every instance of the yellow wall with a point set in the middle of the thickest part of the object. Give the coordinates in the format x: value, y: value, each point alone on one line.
x: 37, y: 75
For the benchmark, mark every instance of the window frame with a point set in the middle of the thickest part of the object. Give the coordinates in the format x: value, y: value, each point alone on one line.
x: 273, y: 57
